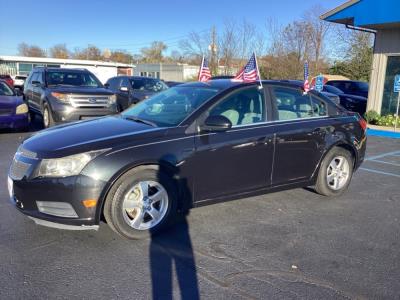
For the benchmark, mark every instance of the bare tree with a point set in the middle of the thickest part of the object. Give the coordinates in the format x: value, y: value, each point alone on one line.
x: 121, y: 56
x: 154, y: 53
x: 195, y: 46
x: 90, y: 53
x: 318, y: 30
x: 59, y: 51
x: 30, y: 50
x: 228, y: 45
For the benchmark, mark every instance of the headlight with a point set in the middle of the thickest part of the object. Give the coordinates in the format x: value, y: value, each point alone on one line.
x: 60, y: 96
x: 66, y: 166
x: 21, y: 109
x: 112, y: 99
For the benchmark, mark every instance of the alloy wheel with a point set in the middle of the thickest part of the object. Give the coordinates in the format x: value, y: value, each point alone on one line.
x: 145, y: 205
x: 338, y: 173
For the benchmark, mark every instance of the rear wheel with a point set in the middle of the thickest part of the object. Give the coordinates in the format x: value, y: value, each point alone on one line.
x: 142, y: 202
x: 335, y: 172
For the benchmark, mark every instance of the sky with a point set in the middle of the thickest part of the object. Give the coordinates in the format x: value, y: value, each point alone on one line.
x: 132, y: 25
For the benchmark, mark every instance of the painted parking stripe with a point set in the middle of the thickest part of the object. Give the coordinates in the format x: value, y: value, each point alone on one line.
x: 383, y: 162
x: 383, y: 155
x: 380, y: 172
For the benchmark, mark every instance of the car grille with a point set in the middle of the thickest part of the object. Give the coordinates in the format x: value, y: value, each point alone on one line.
x: 18, y: 169
x: 6, y: 111
x: 89, y: 101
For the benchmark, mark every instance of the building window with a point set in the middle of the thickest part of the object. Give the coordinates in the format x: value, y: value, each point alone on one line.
x: 143, y: 74
x: 389, y: 99
x: 24, y: 68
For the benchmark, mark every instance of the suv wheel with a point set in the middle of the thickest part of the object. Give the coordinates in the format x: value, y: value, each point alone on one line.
x: 141, y: 202
x: 47, y: 116
x: 335, y: 172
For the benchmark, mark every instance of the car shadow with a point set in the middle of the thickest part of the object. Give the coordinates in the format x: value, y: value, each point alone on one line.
x: 174, y: 248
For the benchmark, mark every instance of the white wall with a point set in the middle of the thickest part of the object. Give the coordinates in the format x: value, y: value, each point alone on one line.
x: 103, y: 73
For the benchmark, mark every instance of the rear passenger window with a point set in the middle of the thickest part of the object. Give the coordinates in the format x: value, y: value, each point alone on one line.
x: 292, y: 103
x: 319, y: 107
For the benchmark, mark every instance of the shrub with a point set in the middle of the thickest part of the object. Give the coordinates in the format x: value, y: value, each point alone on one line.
x: 372, y: 117
x: 388, y: 120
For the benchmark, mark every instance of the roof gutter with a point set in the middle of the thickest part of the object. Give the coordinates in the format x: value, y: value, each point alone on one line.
x: 361, y: 29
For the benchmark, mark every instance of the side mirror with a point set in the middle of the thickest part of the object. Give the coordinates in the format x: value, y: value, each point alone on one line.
x: 106, y: 85
x: 124, y: 89
x: 216, y: 123
x: 36, y: 83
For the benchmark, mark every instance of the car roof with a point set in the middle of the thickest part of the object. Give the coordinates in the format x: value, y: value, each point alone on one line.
x: 221, y: 84
x: 61, y: 69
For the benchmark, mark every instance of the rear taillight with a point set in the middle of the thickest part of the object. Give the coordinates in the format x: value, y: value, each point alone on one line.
x: 362, y: 123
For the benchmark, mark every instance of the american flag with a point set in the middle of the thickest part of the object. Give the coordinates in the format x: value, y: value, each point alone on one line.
x: 250, y: 71
x: 204, y: 73
x: 306, y: 85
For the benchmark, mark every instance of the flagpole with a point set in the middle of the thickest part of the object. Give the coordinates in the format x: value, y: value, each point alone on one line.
x: 201, y: 66
x: 258, y: 71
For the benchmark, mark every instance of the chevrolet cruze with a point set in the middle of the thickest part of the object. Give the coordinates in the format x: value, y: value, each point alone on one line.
x: 191, y: 145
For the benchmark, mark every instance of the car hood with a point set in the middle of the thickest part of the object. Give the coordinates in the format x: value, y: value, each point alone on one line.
x: 10, y: 101
x: 103, y: 133
x: 80, y: 90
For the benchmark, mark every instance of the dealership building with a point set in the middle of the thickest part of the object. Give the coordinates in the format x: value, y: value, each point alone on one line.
x: 21, y: 65
x: 383, y: 18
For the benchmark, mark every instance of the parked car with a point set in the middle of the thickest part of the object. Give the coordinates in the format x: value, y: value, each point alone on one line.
x: 351, y: 87
x: 350, y: 102
x: 334, y: 98
x: 19, y: 81
x: 133, y: 89
x: 190, y: 145
x: 13, y: 111
x: 8, y: 80
x: 64, y: 95
x: 172, y: 83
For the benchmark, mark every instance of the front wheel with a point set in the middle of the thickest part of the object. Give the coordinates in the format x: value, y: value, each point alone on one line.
x: 47, y: 116
x: 142, y: 202
x: 335, y: 172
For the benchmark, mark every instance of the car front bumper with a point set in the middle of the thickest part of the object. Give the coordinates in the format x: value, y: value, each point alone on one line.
x: 14, y: 121
x: 58, y: 202
x: 63, y: 113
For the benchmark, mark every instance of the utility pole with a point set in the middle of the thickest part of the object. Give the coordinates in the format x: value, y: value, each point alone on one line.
x: 213, y: 52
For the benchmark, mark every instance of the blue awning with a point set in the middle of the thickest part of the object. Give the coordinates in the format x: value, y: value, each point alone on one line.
x: 366, y: 13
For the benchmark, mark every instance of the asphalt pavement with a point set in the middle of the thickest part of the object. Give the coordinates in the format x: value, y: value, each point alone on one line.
x: 287, y: 245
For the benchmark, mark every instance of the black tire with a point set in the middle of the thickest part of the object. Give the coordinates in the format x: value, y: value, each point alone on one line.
x: 113, y: 206
x: 47, y: 122
x: 322, y: 186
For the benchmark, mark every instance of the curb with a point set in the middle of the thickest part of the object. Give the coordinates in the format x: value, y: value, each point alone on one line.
x: 383, y: 133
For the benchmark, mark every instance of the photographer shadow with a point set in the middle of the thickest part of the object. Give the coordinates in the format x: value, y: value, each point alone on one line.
x: 174, y: 248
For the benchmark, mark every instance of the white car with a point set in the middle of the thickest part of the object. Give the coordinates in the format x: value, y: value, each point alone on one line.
x: 19, y: 80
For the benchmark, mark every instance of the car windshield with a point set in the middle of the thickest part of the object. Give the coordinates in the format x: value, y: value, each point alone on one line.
x: 148, y: 85
x: 332, y: 89
x: 5, y: 90
x: 170, y: 107
x: 72, y: 78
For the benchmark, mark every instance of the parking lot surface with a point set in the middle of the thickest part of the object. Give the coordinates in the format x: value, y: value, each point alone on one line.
x: 294, y: 244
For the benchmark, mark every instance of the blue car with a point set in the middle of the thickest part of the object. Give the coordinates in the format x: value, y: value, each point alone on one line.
x: 14, y: 112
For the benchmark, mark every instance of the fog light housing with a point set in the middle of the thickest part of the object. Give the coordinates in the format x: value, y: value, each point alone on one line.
x: 58, y: 209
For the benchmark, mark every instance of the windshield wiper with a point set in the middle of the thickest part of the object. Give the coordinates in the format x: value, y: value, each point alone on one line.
x: 136, y: 119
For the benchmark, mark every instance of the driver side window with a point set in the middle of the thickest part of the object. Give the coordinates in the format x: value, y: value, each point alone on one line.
x: 243, y: 107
